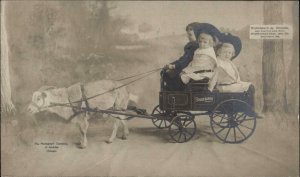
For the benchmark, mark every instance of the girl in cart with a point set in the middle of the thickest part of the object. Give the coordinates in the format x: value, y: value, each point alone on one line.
x: 227, y: 78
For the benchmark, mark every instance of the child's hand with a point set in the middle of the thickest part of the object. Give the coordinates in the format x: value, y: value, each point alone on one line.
x: 170, y: 66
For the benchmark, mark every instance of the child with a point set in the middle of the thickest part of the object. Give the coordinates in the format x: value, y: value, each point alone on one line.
x: 204, y: 61
x: 171, y: 71
x: 227, y: 76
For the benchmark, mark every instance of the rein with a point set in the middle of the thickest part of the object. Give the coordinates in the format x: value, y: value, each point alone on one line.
x: 145, y: 74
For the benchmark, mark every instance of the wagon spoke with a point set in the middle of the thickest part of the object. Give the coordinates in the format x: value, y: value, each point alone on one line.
x: 221, y: 120
x: 234, y: 134
x: 250, y: 119
x: 224, y: 109
x: 187, y: 132
x: 176, y: 133
x: 165, y: 123
x: 241, y: 132
x: 179, y: 136
x: 224, y: 124
x: 219, y: 123
x: 160, y: 123
x: 176, y: 123
x: 158, y: 110
x: 218, y: 114
x: 220, y: 130
x: 188, y: 123
x: 245, y: 126
x: 184, y: 137
x: 184, y: 123
x: 227, y: 134
x: 237, y: 118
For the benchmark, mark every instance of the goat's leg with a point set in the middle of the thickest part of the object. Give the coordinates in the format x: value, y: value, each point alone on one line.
x: 83, y: 126
x: 115, y: 130
x: 125, y: 129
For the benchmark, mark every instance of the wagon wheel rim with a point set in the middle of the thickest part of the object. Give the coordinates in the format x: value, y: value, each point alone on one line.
x: 233, y: 121
x: 161, y: 120
x: 182, y: 128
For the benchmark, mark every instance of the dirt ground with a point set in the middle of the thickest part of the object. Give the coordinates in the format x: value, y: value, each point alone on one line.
x: 273, y: 150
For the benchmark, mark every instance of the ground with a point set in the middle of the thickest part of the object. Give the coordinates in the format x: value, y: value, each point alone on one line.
x: 273, y: 150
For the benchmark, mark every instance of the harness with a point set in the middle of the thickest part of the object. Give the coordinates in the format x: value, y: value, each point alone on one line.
x: 76, y: 110
x: 84, y: 98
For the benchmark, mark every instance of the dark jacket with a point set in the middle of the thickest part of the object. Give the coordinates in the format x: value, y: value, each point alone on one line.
x: 185, y: 59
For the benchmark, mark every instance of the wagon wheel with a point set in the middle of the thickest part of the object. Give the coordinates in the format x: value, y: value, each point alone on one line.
x: 161, y: 120
x: 233, y: 121
x: 183, y: 128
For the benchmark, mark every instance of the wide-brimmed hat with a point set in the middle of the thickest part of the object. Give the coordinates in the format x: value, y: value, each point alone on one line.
x: 205, y: 28
x: 209, y: 29
x: 234, y: 40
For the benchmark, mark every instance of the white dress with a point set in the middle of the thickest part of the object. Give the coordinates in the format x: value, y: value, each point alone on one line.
x: 227, y: 78
x: 204, y: 59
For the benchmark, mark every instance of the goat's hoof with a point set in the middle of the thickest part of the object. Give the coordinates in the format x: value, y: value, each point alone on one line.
x: 82, y: 146
x: 108, y: 141
x: 124, y: 137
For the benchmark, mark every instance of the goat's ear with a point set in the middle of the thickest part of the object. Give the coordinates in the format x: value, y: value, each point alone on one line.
x: 44, y: 95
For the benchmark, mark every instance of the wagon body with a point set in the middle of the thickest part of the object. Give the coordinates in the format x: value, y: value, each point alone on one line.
x: 198, y: 101
x: 232, y: 117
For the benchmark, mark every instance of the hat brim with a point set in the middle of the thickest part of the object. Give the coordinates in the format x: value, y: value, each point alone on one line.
x: 234, y: 40
x: 209, y: 29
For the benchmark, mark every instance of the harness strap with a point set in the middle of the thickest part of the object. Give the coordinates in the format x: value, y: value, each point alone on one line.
x: 74, y: 115
x: 73, y: 107
x: 84, y: 98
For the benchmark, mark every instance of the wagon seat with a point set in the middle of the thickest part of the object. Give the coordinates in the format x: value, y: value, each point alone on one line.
x: 196, y: 86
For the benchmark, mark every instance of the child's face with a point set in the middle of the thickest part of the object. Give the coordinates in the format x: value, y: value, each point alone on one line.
x: 190, y: 34
x: 225, y: 53
x: 205, y: 41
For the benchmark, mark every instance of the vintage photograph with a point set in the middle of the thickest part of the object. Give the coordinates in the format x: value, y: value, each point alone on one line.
x: 149, y: 88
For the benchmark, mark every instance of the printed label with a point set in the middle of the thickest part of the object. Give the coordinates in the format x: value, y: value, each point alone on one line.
x: 204, y: 99
x: 271, y: 32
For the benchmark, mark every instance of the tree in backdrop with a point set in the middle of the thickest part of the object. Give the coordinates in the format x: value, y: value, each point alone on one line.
x: 293, y: 74
x: 273, y: 65
x: 69, y: 43
x: 7, y: 105
x: 105, y: 28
